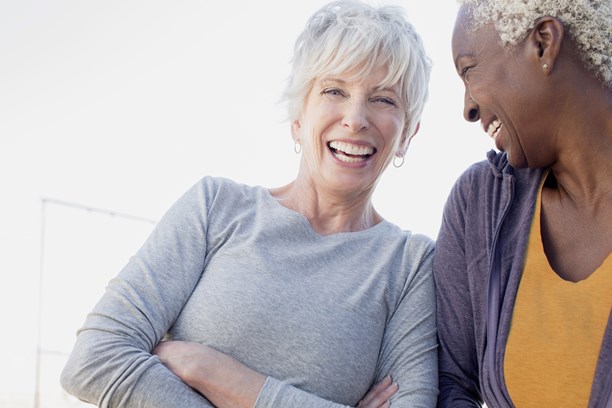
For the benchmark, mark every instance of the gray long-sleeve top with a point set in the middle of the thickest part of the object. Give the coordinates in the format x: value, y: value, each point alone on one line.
x: 324, y: 317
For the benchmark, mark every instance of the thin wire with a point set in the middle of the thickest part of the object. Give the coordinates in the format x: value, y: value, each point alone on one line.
x: 97, y: 210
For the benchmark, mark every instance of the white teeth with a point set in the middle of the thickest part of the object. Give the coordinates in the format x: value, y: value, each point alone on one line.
x: 352, y: 149
x: 348, y: 159
x: 494, y: 128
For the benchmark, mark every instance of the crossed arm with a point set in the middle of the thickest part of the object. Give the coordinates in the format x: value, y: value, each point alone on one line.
x: 226, y: 382
x: 111, y: 363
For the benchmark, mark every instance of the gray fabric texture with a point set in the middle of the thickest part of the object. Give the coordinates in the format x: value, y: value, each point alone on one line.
x: 480, y: 253
x: 324, y: 317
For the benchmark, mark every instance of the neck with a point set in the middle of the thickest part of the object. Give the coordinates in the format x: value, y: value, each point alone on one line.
x: 328, y: 212
x: 584, y: 162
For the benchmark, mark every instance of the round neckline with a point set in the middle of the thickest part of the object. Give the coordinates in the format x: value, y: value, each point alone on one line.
x: 303, y: 220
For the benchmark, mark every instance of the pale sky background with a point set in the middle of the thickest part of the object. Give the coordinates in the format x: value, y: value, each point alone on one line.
x: 121, y: 105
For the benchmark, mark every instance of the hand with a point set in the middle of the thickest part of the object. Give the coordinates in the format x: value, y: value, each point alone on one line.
x: 378, y: 396
x: 222, y: 379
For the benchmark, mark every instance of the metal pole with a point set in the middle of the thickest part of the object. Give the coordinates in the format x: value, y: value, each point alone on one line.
x: 44, y: 201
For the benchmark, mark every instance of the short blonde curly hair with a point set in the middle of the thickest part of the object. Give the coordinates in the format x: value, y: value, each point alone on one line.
x: 589, y: 23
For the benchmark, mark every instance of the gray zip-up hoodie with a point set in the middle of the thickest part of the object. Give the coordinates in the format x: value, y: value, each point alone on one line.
x: 478, y: 264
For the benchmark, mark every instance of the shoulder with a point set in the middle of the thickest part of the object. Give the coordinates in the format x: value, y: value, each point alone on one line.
x: 417, y: 253
x: 408, y: 240
x: 495, y: 166
x: 210, y: 189
x: 210, y: 194
x: 215, y: 184
x: 397, y: 251
x: 418, y: 268
x: 494, y: 169
x: 471, y: 188
x: 420, y: 243
x: 482, y: 182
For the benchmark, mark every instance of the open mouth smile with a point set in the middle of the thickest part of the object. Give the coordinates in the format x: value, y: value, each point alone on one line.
x: 350, y: 153
x: 494, y: 128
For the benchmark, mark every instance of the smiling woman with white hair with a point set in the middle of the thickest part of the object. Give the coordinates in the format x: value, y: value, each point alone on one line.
x: 523, y: 267
x: 298, y: 296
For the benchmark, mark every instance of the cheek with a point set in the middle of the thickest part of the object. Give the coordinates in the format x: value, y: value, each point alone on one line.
x: 321, y: 117
x: 392, y: 129
x: 312, y: 137
x: 477, y: 91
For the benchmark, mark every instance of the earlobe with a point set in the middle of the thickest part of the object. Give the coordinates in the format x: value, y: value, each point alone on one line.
x: 546, y: 38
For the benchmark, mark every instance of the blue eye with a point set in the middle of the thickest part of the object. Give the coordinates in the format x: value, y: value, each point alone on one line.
x: 332, y: 91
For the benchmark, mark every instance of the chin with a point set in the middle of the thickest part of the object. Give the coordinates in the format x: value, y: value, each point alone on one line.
x: 517, y: 164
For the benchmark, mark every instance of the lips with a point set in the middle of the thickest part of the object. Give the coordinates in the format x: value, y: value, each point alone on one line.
x: 350, y: 152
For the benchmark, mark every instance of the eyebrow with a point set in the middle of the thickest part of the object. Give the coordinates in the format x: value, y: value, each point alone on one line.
x: 378, y: 88
x: 331, y: 79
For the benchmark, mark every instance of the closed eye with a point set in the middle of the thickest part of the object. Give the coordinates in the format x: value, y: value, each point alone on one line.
x: 385, y: 100
x: 465, y: 70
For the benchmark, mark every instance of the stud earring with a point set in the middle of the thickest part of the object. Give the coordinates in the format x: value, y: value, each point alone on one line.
x: 545, y: 66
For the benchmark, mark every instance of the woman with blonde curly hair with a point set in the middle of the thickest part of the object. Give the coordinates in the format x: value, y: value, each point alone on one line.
x: 522, y: 265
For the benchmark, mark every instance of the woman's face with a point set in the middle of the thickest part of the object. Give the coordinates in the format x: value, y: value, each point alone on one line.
x: 349, y: 130
x: 505, y: 90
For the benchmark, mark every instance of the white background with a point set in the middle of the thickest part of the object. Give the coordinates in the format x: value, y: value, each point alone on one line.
x: 122, y: 105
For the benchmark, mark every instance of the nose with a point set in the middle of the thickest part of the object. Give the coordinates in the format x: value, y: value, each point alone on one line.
x: 471, y: 112
x: 355, y: 116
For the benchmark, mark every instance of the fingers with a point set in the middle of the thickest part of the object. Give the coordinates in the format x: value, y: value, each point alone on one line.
x: 378, y: 396
x: 385, y: 383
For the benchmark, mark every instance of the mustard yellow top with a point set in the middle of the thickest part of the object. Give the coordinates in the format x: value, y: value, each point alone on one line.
x: 556, y: 331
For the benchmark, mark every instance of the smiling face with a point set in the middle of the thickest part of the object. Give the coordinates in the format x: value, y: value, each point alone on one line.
x: 505, y: 90
x: 349, y: 129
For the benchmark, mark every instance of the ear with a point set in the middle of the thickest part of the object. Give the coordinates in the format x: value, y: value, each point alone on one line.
x: 545, y: 42
x: 295, y: 130
x: 405, y: 142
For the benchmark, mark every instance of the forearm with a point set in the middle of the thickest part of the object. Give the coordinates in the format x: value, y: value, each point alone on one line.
x: 276, y: 393
x: 110, y: 373
x: 239, y: 390
x: 227, y: 382
x: 221, y: 378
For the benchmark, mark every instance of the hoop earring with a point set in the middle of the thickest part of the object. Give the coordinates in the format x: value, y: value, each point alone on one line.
x: 397, y: 164
x: 297, y: 148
